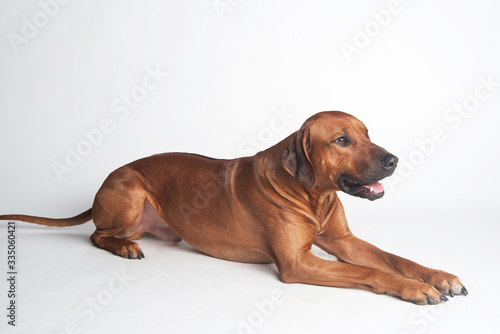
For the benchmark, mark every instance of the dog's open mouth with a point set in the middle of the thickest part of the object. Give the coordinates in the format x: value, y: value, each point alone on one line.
x: 371, y: 191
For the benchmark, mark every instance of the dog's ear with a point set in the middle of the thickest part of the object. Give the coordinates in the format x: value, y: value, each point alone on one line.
x: 296, y: 159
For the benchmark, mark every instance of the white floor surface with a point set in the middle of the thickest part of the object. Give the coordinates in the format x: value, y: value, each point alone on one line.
x: 66, y: 285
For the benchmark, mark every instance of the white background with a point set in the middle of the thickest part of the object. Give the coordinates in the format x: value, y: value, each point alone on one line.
x: 232, y: 70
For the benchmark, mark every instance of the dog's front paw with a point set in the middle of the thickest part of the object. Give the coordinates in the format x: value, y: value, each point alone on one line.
x: 420, y: 293
x: 446, y: 283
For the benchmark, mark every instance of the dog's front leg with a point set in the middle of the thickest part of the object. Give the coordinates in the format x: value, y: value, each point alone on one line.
x: 337, y: 239
x: 356, y: 251
x: 296, y: 264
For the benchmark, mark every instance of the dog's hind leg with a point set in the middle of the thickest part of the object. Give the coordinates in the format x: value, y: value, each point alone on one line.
x: 118, y: 211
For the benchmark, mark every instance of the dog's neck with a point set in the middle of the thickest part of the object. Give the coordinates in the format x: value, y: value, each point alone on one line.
x: 316, y: 201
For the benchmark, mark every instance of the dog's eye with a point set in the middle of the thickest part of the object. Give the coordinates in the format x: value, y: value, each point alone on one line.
x: 342, y: 141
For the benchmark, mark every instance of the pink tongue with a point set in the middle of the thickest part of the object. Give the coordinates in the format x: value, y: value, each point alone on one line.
x: 376, y: 187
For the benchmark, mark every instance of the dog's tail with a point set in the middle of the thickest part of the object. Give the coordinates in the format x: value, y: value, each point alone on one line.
x: 60, y: 222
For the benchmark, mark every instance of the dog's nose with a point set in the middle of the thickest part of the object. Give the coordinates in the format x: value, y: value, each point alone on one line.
x: 389, y: 162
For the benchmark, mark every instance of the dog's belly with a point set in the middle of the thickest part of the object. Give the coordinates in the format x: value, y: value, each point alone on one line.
x: 222, y: 235
x: 218, y: 246
x: 235, y: 254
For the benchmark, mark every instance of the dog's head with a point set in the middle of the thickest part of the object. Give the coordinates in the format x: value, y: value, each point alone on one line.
x: 332, y: 150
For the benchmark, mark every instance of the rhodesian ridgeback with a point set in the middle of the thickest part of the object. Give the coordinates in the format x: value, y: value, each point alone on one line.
x: 271, y: 207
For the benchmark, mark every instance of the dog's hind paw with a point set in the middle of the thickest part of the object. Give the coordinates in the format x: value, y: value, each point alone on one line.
x: 119, y: 246
x: 131, y: 250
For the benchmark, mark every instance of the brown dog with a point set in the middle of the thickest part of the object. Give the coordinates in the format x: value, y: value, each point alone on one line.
x: 271, y: 207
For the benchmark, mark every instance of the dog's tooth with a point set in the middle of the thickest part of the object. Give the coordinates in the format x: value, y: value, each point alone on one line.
x: 371, y: 189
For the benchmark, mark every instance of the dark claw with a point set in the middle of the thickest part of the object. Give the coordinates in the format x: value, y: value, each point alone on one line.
x: 443, y: 298
x: 142, y: 254
x: 451, y: 293
x: 464, y: 291
x: 430, y: 301
x: 139, y: 257
x: 129, y: 256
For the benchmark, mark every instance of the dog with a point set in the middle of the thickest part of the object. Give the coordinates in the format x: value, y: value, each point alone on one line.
x: 267, y: 208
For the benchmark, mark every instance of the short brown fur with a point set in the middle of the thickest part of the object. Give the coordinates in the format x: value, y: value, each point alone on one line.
x: 271, y: 207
